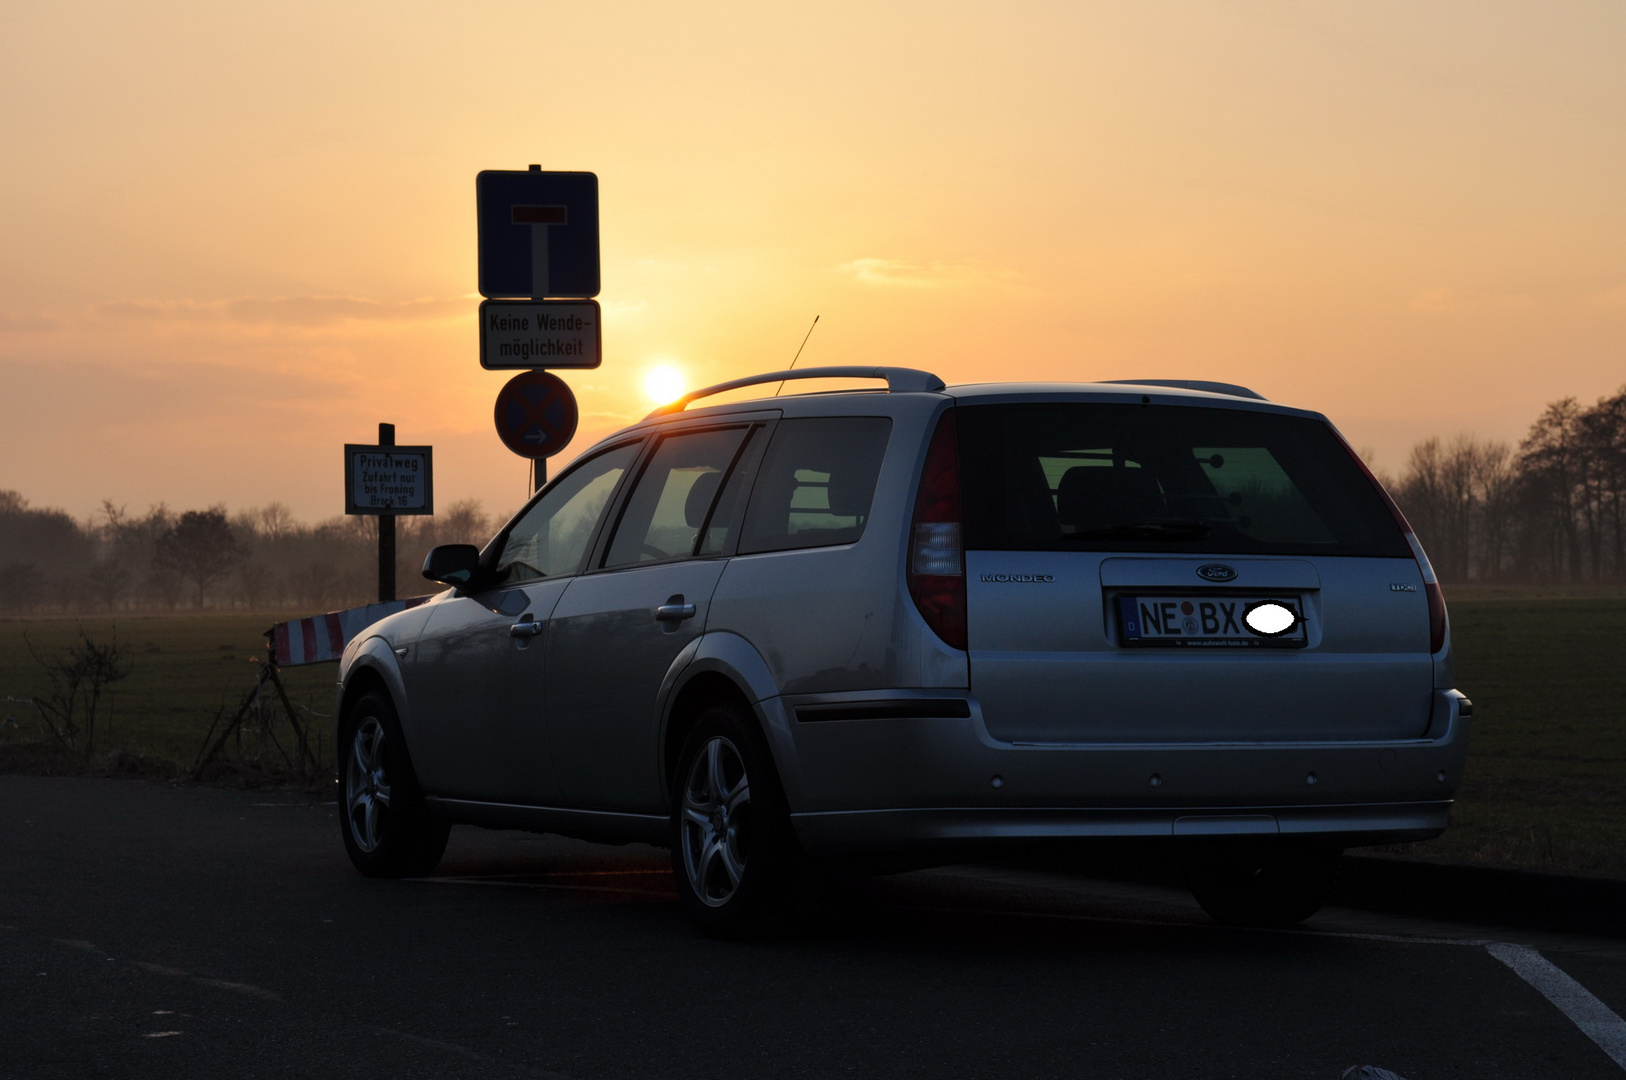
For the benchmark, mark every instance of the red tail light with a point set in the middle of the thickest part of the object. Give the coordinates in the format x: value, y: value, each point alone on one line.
x: 1431, y: 587
x: 1431, y: 584
x: 1436, y: 616
x: 936, y: 571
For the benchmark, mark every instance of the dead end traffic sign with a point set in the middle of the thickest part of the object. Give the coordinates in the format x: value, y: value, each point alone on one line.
x: 538, y: 233
x: 535, y: 414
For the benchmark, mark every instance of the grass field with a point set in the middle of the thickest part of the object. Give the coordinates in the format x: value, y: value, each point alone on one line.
x: 1545, y: 785
x: 184, y: 669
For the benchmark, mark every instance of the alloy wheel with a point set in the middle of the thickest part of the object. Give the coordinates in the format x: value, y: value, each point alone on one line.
x: 716, y: 821
x: 367, y: 785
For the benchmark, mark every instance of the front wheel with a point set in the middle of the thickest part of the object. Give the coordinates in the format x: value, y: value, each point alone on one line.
x: 733, y: 852
x: 387, y: 830
x: 1262, y: 885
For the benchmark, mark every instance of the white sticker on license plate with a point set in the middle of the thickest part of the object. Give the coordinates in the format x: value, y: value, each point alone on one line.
x: 1212, y: 621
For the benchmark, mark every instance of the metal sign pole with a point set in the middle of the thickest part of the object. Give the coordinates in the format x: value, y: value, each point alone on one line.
x: 386, y: 532
x: 539, y: 291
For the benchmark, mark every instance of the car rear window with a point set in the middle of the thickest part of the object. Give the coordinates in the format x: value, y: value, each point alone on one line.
x: 816, y: 483
x: 1104, y: 477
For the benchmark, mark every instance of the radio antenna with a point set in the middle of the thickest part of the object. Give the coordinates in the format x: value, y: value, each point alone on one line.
x: 798, y: 355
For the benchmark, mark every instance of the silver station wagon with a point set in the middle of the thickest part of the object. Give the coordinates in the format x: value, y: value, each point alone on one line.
x: 922, y: 623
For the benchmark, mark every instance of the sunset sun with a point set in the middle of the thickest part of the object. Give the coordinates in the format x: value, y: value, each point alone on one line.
x: 664, y: 384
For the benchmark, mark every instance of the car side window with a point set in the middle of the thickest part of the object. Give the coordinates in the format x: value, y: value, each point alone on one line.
x: 672, y: 499
x: 551, y: 538
x: 816, y: 483
x: 725, y: 516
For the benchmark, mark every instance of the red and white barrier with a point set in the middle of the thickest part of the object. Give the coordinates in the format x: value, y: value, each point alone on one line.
x: 323, y: 637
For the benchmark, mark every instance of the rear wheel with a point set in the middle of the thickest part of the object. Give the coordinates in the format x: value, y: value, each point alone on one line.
x: 1262, y: 885
x: 733, y: 852
x: 387, y: 830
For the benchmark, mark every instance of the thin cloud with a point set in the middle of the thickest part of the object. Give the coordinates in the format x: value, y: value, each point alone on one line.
x: 901, y: 274
x: 12, y: 323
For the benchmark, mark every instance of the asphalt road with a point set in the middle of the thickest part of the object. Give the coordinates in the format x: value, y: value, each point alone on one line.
x: 149, y: 931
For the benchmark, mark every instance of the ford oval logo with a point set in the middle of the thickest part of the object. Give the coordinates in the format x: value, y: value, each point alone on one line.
x: 1216, y: 572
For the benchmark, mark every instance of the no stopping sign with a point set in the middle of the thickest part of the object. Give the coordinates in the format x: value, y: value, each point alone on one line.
x: 536, y: 414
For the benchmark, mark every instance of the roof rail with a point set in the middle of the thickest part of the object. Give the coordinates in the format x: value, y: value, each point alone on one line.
x: 899, y: 380
x: 1192, y: 384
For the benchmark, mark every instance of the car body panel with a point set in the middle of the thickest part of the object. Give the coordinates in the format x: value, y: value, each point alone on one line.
x: 915, y: 768
x: 479, y: 713
x: 373, y: 651
x: 607, y: 659
x: 1049, y: 666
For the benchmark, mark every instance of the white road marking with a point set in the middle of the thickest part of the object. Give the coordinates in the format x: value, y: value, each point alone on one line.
x: 1595, y: 1019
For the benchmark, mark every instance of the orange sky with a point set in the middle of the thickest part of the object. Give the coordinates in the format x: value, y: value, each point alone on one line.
x: 236, y: 237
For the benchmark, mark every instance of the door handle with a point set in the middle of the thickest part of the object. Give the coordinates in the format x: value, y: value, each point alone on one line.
x: 670, y: 612
x: 527, y: 627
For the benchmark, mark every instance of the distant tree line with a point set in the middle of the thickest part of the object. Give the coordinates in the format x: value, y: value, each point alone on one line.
x: 1553, y: 509
x: 258, y: 559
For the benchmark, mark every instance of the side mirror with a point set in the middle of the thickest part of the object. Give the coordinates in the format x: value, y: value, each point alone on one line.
x: 453, y: 564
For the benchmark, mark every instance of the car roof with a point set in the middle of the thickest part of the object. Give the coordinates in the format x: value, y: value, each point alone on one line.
x: 1168, y: 391
x: 854, y: 402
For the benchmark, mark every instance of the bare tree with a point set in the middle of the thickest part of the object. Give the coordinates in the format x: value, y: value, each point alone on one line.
x: 1551, y: 462
x: 1495, y: 485
x: 199, y: 547
x: 109, y: 579
x: 275, y: 521
x: 255, y: 578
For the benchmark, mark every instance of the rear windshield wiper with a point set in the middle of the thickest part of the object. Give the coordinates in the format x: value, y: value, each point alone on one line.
x: 1165, y: 529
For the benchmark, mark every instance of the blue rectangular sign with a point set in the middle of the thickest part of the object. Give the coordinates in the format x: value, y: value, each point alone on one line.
x: 538, y: 233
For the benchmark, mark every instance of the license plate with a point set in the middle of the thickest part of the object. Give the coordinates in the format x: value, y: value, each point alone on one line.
x: 1212, y: 621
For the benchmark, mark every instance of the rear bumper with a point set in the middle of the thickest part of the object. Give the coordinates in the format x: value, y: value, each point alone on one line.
x: 875, y: 831
x: 901, y: 781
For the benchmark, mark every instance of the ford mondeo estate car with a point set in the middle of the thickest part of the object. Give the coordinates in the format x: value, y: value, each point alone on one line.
x: 921, y: 622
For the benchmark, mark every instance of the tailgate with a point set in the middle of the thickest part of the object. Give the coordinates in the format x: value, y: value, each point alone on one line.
x: 1051, y: 660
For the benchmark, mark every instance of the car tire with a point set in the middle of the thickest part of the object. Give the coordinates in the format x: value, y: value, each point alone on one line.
x: 388, y: 832
x: 1261, y: 885
x: 737, y: 862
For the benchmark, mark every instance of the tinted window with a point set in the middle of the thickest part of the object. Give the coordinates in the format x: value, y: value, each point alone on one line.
x: 726, y: 514
x: 672, y: 500
x: 1100, y: 477
x: 815, y: 484
x: 551, y: 537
